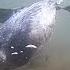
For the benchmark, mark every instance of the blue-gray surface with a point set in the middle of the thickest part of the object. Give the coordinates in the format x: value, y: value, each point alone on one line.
x: 59, y: 46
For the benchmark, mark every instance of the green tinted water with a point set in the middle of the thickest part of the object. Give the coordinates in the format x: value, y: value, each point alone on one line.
x: 59, y: 46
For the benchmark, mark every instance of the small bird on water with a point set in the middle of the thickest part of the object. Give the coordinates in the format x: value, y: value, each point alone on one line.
x: 23, y: 33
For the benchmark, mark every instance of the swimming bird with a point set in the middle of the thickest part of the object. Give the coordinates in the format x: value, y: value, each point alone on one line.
x: 23, y: 33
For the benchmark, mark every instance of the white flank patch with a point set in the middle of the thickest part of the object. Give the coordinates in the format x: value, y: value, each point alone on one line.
x: 21, y: 51
x: 31, y: 46
x: 12, y: 47
x: 14, y: 53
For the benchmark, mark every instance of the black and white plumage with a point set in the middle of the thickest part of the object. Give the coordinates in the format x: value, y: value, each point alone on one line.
x: 23, y: 33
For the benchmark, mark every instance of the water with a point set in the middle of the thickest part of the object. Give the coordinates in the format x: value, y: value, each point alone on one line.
x: 59, y: 45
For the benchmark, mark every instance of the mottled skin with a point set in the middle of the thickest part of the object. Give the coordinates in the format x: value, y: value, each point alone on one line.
x: 28, y: 26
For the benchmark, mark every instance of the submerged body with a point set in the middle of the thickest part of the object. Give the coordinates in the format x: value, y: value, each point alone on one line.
x: 23, y: 33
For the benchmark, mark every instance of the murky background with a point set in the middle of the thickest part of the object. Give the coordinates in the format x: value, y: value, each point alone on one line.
x: 59, y: 45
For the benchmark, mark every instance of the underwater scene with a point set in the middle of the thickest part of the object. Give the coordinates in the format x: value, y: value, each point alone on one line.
x: 26, y: 43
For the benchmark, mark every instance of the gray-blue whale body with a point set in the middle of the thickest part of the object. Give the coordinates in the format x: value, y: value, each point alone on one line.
x: 18, y: 39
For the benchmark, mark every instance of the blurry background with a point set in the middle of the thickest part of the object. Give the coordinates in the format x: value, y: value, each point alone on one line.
x: 59, y: 45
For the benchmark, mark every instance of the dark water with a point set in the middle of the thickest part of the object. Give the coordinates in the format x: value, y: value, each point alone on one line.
x: 59, y: 46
